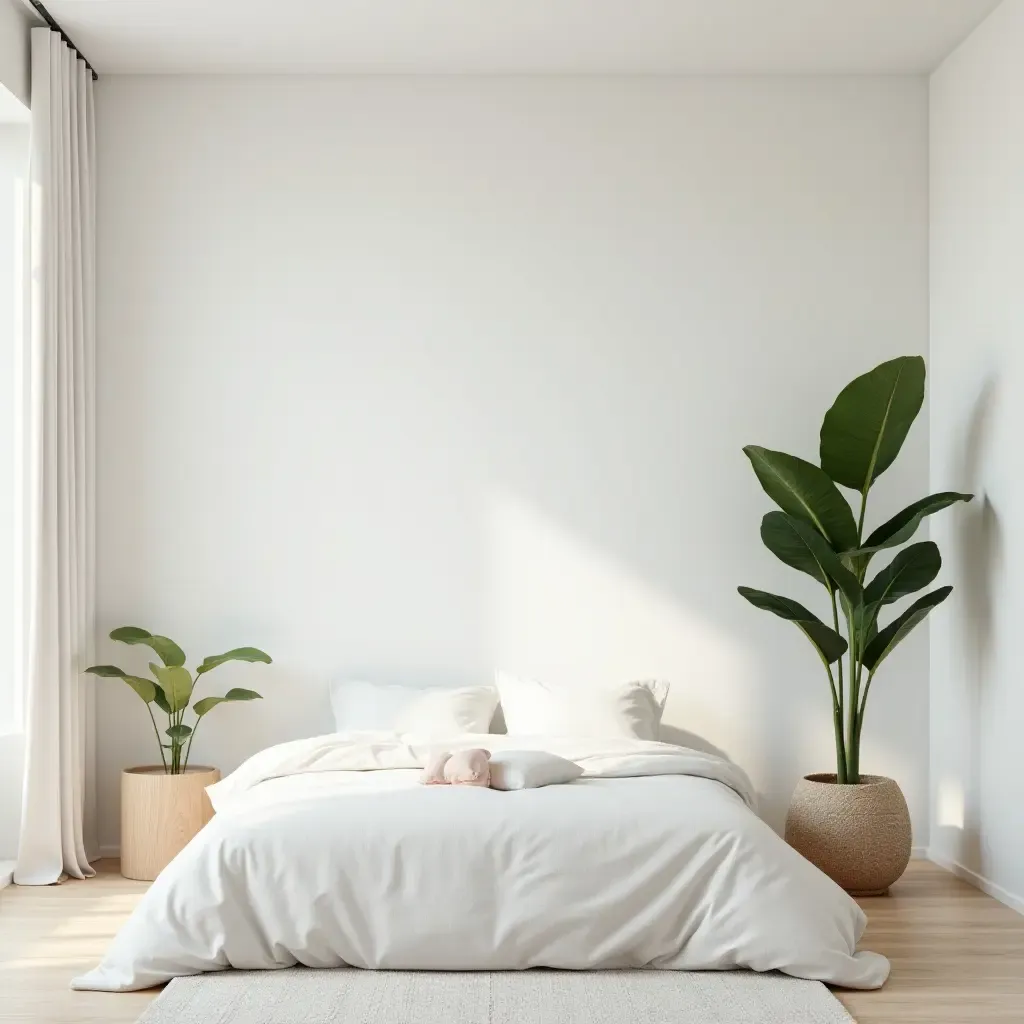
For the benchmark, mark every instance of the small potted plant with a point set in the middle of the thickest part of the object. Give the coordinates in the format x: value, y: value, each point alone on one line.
x: 855, y: 827
x: 163, y: 806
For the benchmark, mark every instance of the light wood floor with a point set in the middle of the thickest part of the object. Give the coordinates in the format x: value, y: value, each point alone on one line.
x: 957, y: 955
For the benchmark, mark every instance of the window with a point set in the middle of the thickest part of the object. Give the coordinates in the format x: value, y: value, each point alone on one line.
x: 14, y: 145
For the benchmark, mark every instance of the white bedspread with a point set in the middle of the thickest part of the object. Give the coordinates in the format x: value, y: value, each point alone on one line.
x: 327, y: 852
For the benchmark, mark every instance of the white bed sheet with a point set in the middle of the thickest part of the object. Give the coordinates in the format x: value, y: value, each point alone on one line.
x: 327, y: 852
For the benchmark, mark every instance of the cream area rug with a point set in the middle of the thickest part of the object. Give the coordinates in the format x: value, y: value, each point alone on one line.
x: 301, y: 996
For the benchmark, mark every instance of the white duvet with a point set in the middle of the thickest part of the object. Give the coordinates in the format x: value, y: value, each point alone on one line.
x: 327, y: 852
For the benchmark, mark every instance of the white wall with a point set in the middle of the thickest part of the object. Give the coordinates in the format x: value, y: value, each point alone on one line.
x: 408, y: 378
x: 15, y: 58
x: 977, y: 355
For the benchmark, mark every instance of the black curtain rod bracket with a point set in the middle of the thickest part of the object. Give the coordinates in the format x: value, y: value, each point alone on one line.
x: 52, y: 22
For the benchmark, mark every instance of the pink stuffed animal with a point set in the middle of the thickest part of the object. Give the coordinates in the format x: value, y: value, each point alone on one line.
x: 463, y: 768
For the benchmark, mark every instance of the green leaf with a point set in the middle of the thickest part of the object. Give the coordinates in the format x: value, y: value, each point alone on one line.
x: 167, y: 650
x: 130, y: 634
x: 830, y: 645
x: 800, y: 546
x: 201, y: 707
x: 904, y: 524
x: 179, y: 732
x: 784, y: 540
x: 107, y: 671
x: 161, y: 701
x: 806, y: 492
x: 238, y: 654
x: 856, y: 561
x: 886, y: 639
x: 145, y: 688
x: 871, y: 630
x: 910, y: 571
x: 176, y: 684
x: 864, y: 430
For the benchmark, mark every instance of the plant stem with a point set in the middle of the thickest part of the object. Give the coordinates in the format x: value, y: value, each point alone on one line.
x: 858, y: 710
x: 188, y: 749
x: 863, y: 509
x: 852, y: 758
x: 170, y: 722
x: 864, y: 700
x: 176, y: 743
x: 860, y: 717
x: 837, y: 726
x: 159, y: 742
x: 840, y: 702
x: 856, y: 667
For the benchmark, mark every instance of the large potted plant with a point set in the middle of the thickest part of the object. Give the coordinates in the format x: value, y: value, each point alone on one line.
x: 855, y: 827
x: 163, y: 806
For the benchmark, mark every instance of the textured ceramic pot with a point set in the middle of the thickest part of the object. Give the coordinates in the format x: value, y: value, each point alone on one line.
x: 858, y: 835
x: 160, y: 814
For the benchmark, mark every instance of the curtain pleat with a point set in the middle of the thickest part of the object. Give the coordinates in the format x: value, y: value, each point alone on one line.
x: 58, y: 459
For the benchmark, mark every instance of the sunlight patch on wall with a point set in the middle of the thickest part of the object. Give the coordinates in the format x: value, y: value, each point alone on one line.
x: 563, y: 609
x: 951, y: 804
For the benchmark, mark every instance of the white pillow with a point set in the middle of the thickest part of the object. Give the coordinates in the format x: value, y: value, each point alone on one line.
x: 434, y: 711
x: 528, y: 769
x: 532, y: 708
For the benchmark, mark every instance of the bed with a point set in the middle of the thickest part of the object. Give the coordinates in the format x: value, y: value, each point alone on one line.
x: 327, y: 852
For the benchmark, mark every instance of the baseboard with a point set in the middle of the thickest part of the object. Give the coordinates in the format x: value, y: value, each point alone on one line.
x: 990, y: 888
x: 919, y: 853
x: 6, y: 872
x: 113, y: 851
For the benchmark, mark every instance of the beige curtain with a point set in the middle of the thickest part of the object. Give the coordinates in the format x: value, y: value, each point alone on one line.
x: 57, y: 434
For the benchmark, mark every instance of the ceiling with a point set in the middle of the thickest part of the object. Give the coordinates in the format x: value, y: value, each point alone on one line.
x: 520, y: 36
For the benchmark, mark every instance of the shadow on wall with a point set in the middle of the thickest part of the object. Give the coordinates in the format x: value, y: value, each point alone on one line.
x: 979, y: 551
x: 684, y: 738
x: 561, y: 608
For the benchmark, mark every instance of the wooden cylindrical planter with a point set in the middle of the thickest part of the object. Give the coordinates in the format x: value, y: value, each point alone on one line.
x: 160, y: 813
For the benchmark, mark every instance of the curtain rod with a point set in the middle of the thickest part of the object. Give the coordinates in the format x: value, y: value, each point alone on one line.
x: 52, y: 22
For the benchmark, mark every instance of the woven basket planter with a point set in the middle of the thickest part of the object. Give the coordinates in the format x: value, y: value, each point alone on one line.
x: 858, y: 835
